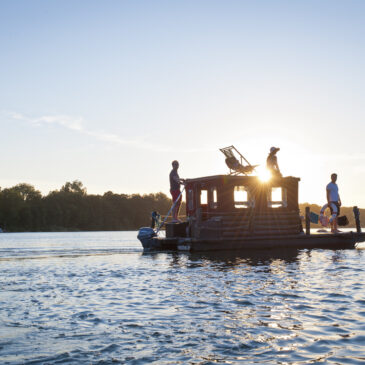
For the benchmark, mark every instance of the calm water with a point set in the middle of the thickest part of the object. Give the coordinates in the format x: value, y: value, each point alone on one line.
x: 95, y: 298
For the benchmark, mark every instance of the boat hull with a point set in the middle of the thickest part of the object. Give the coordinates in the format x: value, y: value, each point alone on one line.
x: 341, y: 240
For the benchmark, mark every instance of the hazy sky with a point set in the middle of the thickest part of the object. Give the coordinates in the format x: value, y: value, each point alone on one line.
x: 110, y: 92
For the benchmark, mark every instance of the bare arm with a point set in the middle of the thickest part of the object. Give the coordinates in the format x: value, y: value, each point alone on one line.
x: 178, y: 180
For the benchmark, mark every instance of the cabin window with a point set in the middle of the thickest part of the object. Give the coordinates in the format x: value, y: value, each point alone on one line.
x: 203, y: 197
x: 240, y: 197
x: 190, y: 199
x: 277, y: 198
x: 213, y: 199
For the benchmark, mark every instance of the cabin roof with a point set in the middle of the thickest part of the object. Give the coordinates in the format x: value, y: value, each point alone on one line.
x: 242, y: 179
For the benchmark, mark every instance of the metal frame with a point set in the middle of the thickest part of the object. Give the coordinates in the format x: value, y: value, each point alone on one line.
x: 228, y: 151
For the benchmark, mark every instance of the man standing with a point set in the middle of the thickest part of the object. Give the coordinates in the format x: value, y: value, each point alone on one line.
x: 272, y: 162
x: 175, y: 183
x: 334, y: 201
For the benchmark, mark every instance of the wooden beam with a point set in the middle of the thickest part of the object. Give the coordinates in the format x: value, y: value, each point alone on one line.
x: 307, y: 221
x: 357, y: 218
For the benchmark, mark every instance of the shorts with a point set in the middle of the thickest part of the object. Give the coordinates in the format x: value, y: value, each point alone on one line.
x: 175, y: 194
x: 338, y: 208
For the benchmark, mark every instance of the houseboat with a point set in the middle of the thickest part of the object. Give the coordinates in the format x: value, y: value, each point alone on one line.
x: 235, y: 212
x: 231, y: 212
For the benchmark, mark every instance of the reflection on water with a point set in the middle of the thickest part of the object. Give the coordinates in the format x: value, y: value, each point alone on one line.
x: 97, y: 298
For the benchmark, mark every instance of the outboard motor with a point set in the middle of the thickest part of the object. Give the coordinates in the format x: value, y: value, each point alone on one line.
x: 146, y: 235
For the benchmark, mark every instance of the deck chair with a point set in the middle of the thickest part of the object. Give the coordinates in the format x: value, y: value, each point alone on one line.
x: 236, y: 166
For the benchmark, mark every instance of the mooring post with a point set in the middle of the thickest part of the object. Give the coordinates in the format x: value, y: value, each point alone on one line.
x: 307, y: 221
x: 357, y: 218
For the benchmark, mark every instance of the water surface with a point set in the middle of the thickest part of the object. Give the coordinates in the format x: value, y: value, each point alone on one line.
x: 96, y: 298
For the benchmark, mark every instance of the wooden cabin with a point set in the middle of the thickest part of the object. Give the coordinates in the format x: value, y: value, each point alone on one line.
x: 226, y: 206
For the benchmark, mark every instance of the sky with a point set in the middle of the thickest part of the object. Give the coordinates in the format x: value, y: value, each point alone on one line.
x: 110, y: 92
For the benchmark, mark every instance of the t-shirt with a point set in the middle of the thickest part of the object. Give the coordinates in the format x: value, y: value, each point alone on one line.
x: 174, y: 185
x: 333, y: 192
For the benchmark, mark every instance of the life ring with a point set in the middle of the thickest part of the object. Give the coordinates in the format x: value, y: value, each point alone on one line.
x: 324, y: 219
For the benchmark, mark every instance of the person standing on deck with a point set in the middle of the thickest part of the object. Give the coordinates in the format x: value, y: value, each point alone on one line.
x: 334, y: 201
x: 175, y: 183
x: 272, y: 162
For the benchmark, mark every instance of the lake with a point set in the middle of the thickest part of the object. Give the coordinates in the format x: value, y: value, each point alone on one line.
x: 96, y: 298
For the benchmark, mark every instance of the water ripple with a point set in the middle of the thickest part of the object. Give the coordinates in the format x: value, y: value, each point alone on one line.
x: 112, y: 304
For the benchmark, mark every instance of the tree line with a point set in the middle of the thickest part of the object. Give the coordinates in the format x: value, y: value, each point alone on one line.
x: 24, y: 209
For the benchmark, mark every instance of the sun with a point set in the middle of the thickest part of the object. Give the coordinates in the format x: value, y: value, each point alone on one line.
x: 263, y: 174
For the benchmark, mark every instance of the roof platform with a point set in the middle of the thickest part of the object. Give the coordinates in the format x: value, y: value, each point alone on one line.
x: 242, y: 179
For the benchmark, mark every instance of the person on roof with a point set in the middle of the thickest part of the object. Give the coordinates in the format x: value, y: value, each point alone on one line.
x: 175, y: 183
x: 272, y: 162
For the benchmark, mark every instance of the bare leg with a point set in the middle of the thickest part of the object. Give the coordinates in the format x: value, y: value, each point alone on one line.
x: 174, y: 213
x: 334, y: 226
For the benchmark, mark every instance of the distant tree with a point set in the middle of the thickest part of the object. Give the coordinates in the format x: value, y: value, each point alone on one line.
x: 23, y: 208
x: 12, y: 205
x: 74, y: 187
x: 27, y: 191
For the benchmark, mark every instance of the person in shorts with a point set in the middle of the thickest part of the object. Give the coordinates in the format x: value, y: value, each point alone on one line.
x: 333, y: 198
x: 175, y: 183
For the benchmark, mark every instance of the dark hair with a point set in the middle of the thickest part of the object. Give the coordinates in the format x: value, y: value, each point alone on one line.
x: 175, y: 162
x: 334, y: 174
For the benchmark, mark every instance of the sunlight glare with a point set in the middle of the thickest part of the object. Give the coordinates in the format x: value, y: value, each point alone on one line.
x: 264, y: 174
